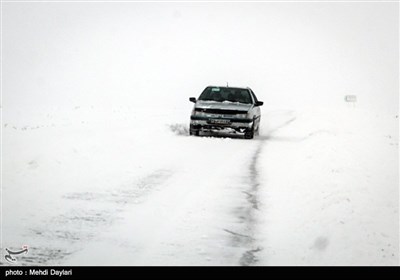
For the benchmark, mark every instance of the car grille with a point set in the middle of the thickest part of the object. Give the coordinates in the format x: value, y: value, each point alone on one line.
x: 220, y: 111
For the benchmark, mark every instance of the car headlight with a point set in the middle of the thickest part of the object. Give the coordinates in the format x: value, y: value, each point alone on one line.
x: 203, y: 114
x: 197, y: 113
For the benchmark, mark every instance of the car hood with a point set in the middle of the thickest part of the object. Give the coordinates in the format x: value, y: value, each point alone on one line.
x: 226, y: 105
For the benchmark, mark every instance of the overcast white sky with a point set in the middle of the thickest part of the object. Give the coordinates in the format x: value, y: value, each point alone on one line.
x: 61, y: 55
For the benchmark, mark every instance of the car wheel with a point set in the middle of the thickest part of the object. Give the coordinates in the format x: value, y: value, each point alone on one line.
x: 249, y: 134
x: 193, y: 131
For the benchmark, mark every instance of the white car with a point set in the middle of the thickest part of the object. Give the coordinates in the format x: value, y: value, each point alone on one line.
x: 228, y: 109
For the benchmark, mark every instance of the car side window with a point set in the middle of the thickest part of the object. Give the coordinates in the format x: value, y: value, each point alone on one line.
x: 254, y: 96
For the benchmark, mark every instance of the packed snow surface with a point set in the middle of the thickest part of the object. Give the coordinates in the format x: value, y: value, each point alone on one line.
x: 314, y: 188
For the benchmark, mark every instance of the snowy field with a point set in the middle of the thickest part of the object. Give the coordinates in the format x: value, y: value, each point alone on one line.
x: 98, y: 167
x: 315, y: 188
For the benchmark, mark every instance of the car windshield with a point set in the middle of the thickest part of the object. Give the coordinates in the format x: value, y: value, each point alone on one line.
x: 221, y: 94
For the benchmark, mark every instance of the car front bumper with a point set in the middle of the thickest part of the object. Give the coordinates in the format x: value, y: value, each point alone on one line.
x: 238, y: 125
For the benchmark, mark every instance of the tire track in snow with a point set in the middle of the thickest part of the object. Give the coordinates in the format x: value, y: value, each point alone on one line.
x: 249, y: 256
x: 89, y: 213
x: 244, y: 236
x: 248, y: 214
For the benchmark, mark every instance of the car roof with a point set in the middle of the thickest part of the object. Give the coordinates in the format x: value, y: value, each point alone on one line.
x: 230, y: 87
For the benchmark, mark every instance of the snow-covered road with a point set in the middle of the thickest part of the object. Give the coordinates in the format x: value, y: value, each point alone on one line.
x: 104, y: 194
x: 97, y: 167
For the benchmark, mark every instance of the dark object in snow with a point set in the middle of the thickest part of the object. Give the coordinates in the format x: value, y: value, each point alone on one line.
x: 226, y: 109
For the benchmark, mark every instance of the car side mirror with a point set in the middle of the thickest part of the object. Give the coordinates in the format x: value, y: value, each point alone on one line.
x: 259, y: 103
x: 192, y: 99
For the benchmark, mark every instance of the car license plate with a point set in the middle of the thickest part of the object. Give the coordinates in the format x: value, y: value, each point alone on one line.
x: 219, y: 121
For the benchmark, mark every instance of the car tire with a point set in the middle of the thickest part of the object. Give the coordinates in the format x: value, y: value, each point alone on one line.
x: 249, y: 134
x: 193, y: 132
